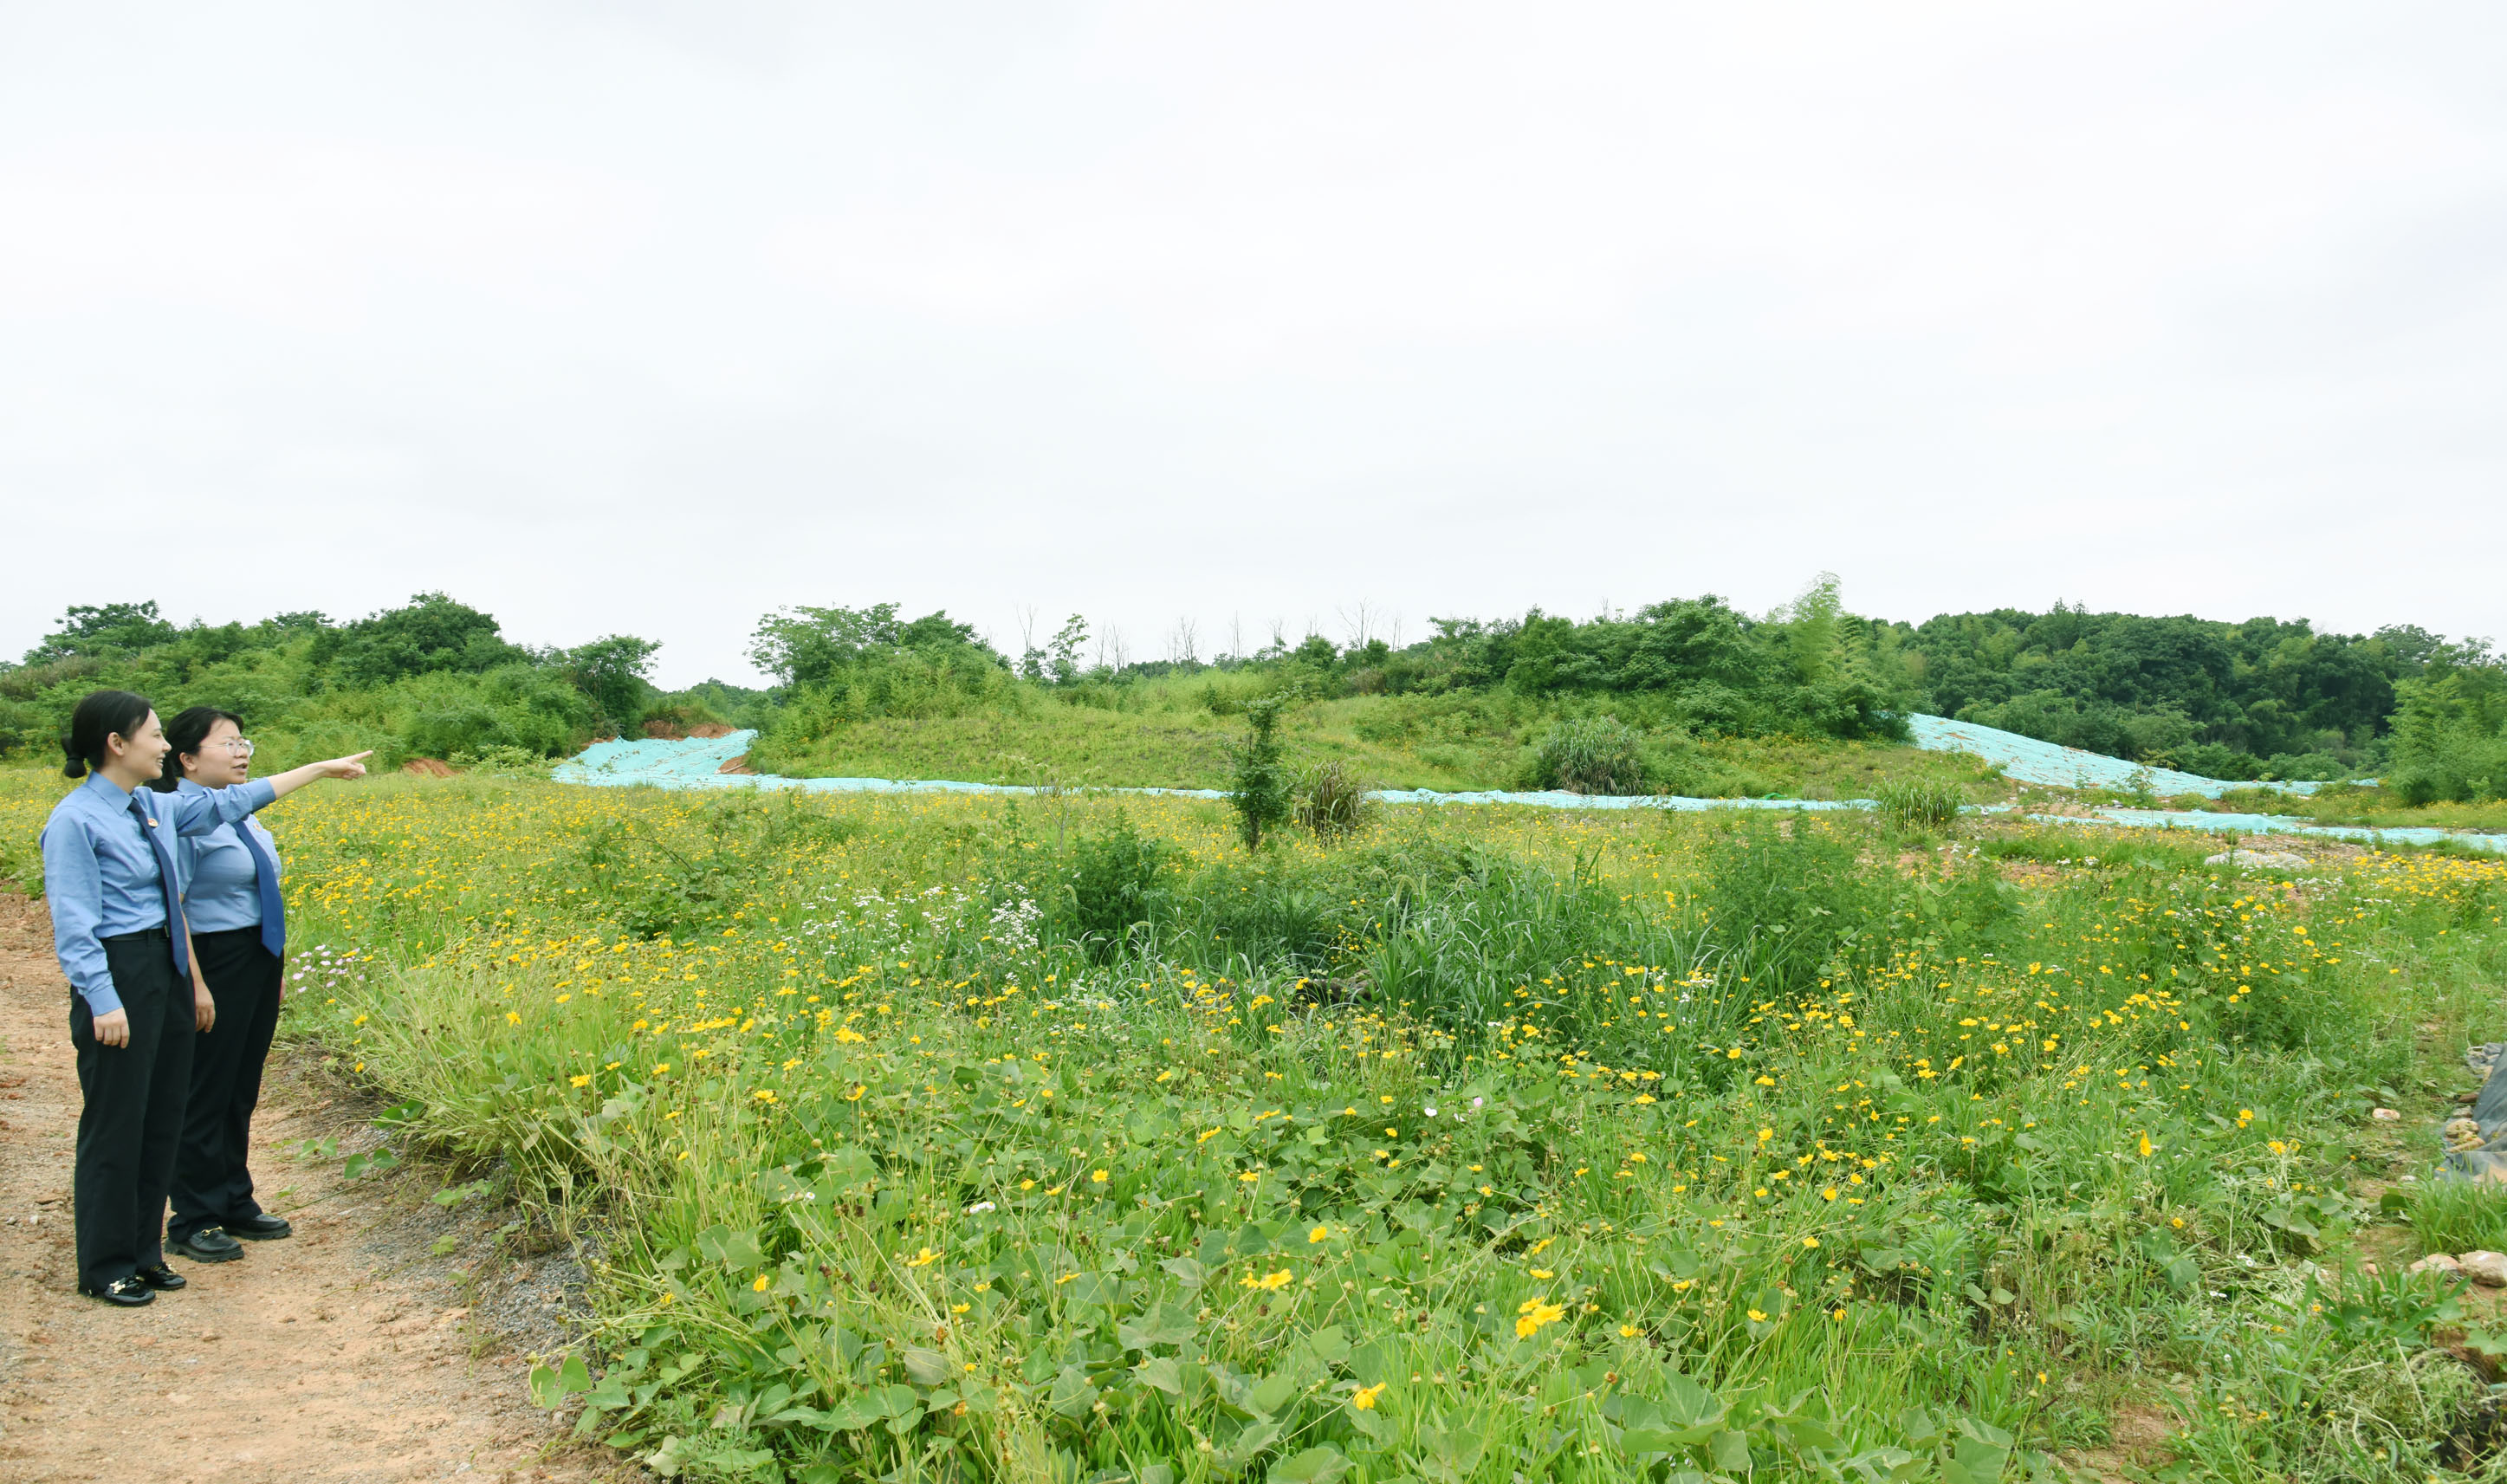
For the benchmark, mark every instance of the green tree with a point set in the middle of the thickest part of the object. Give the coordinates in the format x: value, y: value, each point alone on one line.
x: 431, y: 635
x: 803, y: 646
x: 611, y: 673
x: 1260, y: 785
x: 90, y: 631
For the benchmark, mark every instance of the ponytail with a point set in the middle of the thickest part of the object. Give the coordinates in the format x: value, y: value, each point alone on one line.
x: 103, y: 714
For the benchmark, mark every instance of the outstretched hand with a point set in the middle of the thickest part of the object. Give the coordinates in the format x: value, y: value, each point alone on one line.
x: 285, y: 784
x: 352, y: 767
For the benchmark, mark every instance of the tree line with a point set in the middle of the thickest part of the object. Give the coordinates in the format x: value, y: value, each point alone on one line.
x: 2264, y: 698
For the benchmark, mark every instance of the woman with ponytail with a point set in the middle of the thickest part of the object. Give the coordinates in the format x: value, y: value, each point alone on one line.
x: 113, y: 879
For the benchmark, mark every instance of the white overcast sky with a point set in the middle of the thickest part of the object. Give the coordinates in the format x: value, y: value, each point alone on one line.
x: 649, y: 317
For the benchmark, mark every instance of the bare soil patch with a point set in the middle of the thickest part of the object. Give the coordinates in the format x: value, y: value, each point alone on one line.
x: 341, y: 1353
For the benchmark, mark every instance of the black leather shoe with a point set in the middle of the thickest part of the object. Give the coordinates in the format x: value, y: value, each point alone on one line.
x: 163, y: 1279
x: 209, y: 1244
x: 260, y: 1227
x: 123, y: 1292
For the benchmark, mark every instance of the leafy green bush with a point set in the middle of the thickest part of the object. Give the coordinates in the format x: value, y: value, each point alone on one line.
x: 515, y: 706
x: 502, y: 762
x: 1784, y: 896
x: 2451, y: 732
x: 1112, y: 886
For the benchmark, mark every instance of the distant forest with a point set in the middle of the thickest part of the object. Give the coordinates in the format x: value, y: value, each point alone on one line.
x: 2264, y: 698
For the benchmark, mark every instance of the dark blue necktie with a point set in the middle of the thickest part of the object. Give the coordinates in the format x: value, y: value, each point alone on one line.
x: 264, y: 874
x: 176, y: 927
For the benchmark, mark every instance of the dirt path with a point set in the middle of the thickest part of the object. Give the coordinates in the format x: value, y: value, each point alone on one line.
x: 341, y: 1353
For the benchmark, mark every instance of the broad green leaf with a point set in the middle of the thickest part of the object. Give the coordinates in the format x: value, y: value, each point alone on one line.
x: 1071, y: 1395
x: 1273, y: 1392
x: 1730, y: 1451
x: 1686, y: 1406
x: 1320, y: 1464
x: 928, y: 1368
x: 855, y: 1413
x: 1163, y: 1324
x: 1248, y: 1445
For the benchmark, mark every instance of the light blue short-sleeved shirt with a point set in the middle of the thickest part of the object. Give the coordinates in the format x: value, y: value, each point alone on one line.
x: 100, y: 876
x: 223, y: 889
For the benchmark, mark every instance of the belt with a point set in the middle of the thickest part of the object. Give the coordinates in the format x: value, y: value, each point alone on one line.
x: 143, y: 935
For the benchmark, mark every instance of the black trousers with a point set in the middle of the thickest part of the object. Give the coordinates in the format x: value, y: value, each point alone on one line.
x: 131, y: 1110
x: 211, y: 1185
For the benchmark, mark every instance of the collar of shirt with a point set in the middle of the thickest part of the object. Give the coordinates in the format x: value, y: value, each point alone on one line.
x: 108, y: 793
x: 109, y: 799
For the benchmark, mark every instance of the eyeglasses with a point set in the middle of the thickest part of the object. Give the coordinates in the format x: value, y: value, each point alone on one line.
x: 239, y: 747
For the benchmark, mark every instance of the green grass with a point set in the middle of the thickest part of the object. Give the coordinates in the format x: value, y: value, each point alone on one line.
x: 972, y: 1139
x: 2459, y: 1217
x: 2375, y: 806
x: 1165, y: 736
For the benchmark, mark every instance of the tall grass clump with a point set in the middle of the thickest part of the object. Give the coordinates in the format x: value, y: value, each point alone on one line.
x: 1596, y: 755
x: 2449, y: 1215
x: 1332, y: 803
x: 1924, y: 805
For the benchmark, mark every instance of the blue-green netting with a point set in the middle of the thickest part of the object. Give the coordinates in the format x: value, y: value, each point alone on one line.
x: 698, y: 762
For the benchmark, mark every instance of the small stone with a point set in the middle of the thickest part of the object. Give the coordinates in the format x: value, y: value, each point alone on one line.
x: 2386, y: 1115
x: 2437, y: 1262
x: 2487, y: 1269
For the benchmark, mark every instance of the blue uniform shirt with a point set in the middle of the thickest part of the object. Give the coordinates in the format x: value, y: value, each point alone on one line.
x: 223, y: 888
x: 100, y: 876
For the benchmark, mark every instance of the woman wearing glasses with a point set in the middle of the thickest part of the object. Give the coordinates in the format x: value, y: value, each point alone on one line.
x: 114, y: 880
x: 239, y: 932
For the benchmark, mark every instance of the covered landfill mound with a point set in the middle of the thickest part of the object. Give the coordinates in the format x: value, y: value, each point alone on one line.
x: 717, y: 762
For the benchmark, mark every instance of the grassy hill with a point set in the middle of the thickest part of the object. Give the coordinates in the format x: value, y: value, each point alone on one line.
x: 1168, y: 737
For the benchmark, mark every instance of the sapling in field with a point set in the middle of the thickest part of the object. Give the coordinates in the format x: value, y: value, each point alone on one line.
x: 1259, y: 782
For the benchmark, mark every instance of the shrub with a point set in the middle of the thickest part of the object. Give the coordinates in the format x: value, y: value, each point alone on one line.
x: 502, y: 762
x: 1111, y: 887
x: 1784, y: 896
x: 1595, y: 756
